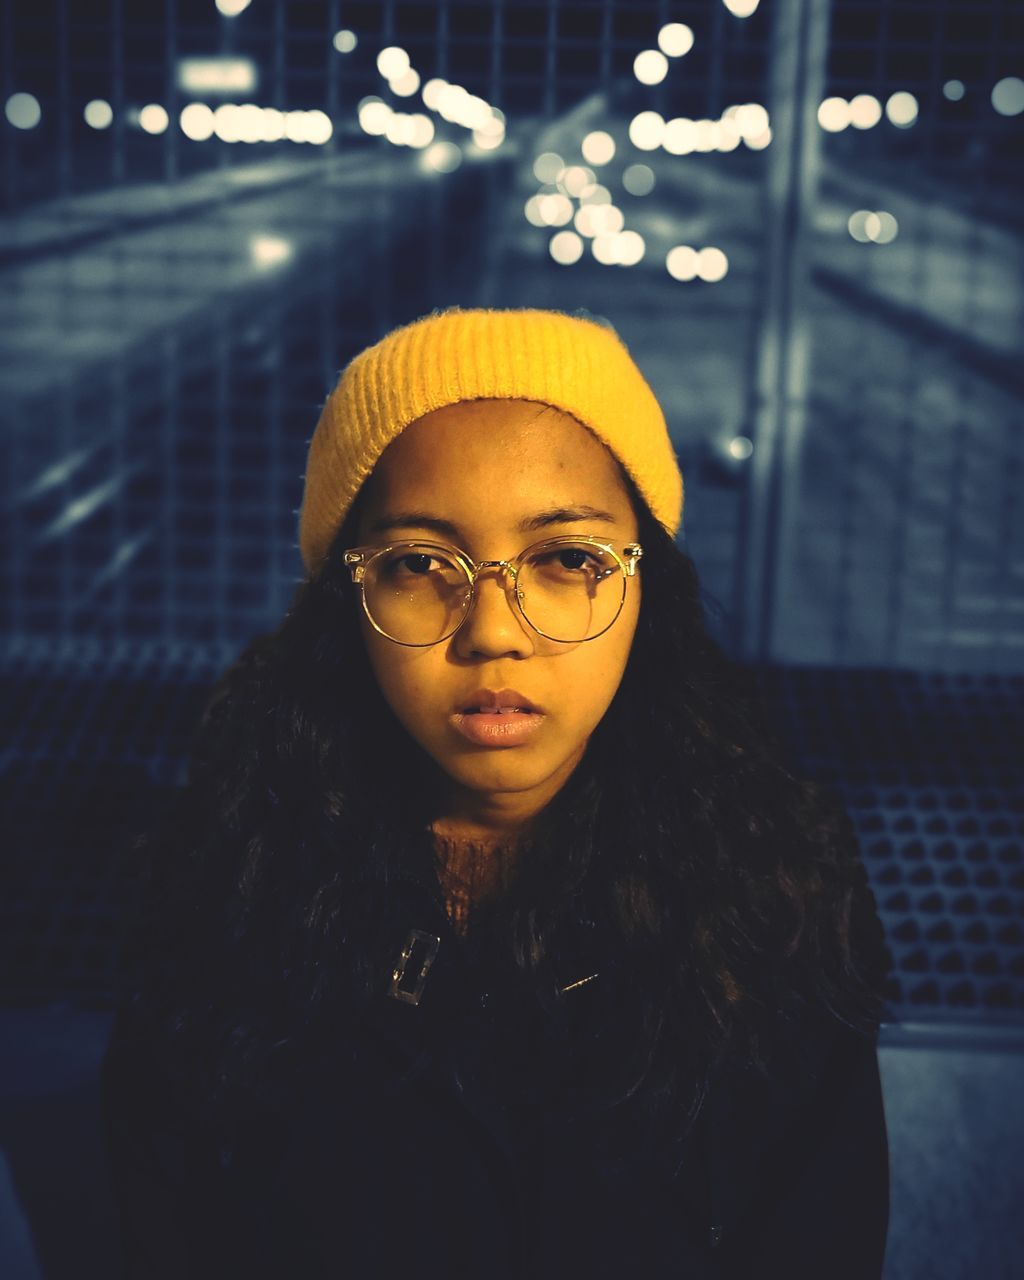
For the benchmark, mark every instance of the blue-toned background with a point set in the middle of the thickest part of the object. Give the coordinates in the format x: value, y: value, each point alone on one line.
x: 803, y: 218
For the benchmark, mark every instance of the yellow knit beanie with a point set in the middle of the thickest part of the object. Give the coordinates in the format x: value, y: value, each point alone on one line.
x: 576, y: 365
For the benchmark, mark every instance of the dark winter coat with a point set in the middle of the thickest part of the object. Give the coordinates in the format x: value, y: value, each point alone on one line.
x: 393, y: 1157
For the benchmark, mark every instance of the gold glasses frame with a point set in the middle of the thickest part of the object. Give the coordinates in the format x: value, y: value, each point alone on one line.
x: 359, y: 559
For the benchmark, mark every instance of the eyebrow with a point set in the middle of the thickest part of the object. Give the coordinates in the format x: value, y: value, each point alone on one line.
x: 541, y: 520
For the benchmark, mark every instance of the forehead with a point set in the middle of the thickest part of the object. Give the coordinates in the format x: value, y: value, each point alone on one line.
x: 512, y: 446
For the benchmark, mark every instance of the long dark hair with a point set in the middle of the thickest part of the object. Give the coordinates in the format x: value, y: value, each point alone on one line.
x: 726, y: 888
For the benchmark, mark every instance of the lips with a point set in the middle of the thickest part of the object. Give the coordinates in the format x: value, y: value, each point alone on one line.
x: 497, y: 702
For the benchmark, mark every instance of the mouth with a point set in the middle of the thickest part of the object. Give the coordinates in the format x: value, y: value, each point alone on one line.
x: 503, y: 702
x: 498, y: 719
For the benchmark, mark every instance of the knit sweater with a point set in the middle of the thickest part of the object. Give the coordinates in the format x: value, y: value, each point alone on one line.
x: 471, y: 872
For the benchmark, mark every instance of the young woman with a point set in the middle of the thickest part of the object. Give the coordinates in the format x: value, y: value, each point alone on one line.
x: 491, y: 936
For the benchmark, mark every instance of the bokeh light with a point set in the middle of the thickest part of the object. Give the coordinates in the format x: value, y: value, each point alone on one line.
x: 682, y: 262
x: 345, y: 41
x: 23, y: 110
x: 98, y: 114
x: 392, y: 62
x: 901, y: 109
x: 555, y: 209
x: 575, y: 179
x: 599, y: 220
x: 548, y: 166
x: 650, y: 67
x: 374, y: 115
x: 566, y: 248
x: 232, y: 8
x: 868, y: 226
x: 595, y: 193
x: 432, y: 92
x: 1008, y: 96
x: 680, y: 136
x: 197, y: 121
x: 153, y: 118
x: 406, y: 84
x: 443, y: 157
x: 741, y: 448
x: 865, y: 111
x: 751, y: 119
x: 712, y: 265
x: 598, y: 147
x: 834, y: 115
x: 885, y: 228
x: 675, y: 39
x: 269, y: 251
x: 741, y: 8
x: 638, y: 179
x: 629, y: 248
x: 646, y: 130
x: 953, y: 90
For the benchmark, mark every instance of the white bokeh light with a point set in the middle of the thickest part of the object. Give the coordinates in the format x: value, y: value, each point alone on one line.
x: 629, y: 248
x: 595, y: 193
x: 1008, y: 96
x: 650, y: 67
x: 547, y: 166
x: 575, y: 179
x: 555, y: 210
x: 953, y: 90
x: 269, y: 251
x: 598, y: 220
x: 680, y: 136
x: 638, y: 179
x: 225, y: 122
x: 432, y: 91
x: 865, y: 111
x: 751, y: 119
x: 675, y: 39
x: 421, y: 130
x: 885, y: 227
x: 566, y: 248
x: 741, y: 448
x: 901, y: 109
x: 681, y: 262
x: 857, y: 225
x: 834, y: 115
x: 443, y: 157
x: 374, y: 115
x: 647, y: 130
x: 598, y: 147
x: 196, y: 121
x: 345, y: 41
x: 153, y: 118
x: 406, y: 84
x: 712, y: 264
x: 23, y: 110
x: 392, y: 62
x: 98, y: 114
x: 741, y: 8
x: 232, y: 8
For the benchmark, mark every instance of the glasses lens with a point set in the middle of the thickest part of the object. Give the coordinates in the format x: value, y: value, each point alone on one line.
x: 571, y: 591
x: 416, y: 593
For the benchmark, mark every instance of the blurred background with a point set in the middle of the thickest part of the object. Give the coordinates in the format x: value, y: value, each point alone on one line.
x: 802, y: 216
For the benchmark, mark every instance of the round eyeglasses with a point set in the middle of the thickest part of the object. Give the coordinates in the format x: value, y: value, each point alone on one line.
x: 566, y: 589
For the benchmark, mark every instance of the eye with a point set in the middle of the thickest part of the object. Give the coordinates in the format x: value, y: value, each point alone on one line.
x: 419, y: 562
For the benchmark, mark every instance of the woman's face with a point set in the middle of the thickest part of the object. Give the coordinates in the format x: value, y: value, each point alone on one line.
x: 491, y: 477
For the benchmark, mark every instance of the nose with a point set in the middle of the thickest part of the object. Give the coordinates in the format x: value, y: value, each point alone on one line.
x: 493, y: 627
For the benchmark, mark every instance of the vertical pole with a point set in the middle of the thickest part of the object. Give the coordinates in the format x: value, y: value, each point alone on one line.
x: 780, y: 384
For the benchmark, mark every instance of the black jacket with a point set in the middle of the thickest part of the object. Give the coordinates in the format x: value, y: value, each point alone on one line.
x: 393, y: 1158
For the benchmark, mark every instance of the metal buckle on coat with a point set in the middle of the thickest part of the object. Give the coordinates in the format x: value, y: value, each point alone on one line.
x: 429, y: 943
x: 580, y: 982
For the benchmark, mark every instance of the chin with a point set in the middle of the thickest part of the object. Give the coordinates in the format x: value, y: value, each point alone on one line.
x: 495, y: 774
